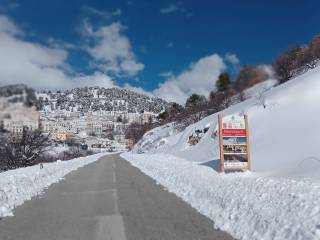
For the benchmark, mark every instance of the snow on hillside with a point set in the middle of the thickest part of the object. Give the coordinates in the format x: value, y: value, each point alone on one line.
x: 19, y: 185
x: 260, y: 88
x: 99, y: 98
x: 281, y: 198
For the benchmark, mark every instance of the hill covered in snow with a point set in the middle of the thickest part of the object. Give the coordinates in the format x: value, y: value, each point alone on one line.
x: 280, y: 199
x: 283, y: 135
x: 18, y: 93
x: 16, y: 98
x: 98, y: 98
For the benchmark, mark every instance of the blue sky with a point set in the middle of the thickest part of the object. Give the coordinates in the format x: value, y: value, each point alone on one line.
x: 166, y: 48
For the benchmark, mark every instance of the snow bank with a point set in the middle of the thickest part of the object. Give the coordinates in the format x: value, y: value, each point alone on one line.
x: 19, y: 185
x: 55, y: 151
x: 247, y: 205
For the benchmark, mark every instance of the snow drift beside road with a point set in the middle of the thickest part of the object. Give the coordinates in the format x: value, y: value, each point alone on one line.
x: 19, y: 185
x: 281, y: 199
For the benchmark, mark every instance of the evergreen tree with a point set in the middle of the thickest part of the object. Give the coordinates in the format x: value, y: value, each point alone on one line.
x: 195, y: 100
x: 223, y: 83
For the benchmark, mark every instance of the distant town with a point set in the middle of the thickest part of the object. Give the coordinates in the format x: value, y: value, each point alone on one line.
x: 94, y: 117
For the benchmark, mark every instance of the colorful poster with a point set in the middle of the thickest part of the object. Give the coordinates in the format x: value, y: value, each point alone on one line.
x: 234, y: 144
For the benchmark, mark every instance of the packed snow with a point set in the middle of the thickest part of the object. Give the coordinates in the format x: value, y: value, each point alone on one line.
x: 19, y: 185
x: 280, y: 199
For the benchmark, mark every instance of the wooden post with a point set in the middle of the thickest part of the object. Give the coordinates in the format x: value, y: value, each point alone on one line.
x: 221, y: 142
x: 248, y: 144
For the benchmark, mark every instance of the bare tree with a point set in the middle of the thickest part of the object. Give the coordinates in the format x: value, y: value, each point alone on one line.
x: 25, y: 149
x: 249, y: 76
x: 314, y: 52
x: 261, y: 99
x: 286, y: 63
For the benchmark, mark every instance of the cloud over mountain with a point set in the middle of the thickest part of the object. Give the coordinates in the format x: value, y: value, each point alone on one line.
x: 41, y: 66
x: 110, y: 49
x: 199, y: 77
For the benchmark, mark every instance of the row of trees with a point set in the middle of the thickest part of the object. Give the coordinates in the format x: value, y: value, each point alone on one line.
x: 297, y: 59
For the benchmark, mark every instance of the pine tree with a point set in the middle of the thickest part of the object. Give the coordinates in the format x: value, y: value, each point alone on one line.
x: 195, y: 100
x: 223, y: 83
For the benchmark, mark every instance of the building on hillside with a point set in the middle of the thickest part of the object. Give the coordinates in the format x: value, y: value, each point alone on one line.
x: 19, y: 120
x: 134, y: 118
x: 60, y: 136
x: 148, y: 117
x: 120, y: 138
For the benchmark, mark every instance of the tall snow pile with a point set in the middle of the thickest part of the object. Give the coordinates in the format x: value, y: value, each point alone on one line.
x: 19, y: 185
x: 281, y: 198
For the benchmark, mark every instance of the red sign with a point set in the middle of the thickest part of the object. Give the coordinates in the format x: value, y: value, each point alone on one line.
x: 234, y: 132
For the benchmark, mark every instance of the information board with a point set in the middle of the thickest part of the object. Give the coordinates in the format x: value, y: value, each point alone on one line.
x: 234, y: 142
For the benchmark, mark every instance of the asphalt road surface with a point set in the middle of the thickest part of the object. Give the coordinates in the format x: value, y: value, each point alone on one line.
x: 108, y: 199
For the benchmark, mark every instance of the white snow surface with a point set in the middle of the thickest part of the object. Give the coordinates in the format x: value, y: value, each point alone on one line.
x: 260, y: 87
x: 19, y: 185
x: 281, y: 198
x: 56, y: 150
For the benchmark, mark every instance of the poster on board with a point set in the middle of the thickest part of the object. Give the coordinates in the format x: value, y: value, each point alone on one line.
x: 234, y: 142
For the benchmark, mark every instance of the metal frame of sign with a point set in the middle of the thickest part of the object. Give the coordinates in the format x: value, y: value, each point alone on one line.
x: 222, y: 160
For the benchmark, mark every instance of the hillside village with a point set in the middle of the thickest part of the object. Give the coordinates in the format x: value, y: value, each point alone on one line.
x: 94, y: 117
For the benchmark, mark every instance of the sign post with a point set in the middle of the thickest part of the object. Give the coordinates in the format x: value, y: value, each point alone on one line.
x: 234, y: 143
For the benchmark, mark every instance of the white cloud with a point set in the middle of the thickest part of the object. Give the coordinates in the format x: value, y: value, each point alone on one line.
x: 117, y: 12
x: 170, y: 45
x: 13, y: 5
x: 39, y: 66
x: 175, y: 7
x: 59, y: 44
x: 166, y: 75
x: 172, y: 7
x: 232, y: 58
x: 8, y: 27
x: 101, y: 13
x: 267, y: 69
x: 111, y: 50
x: 97, y: 79
x: 199, y: 78
x: 8, y: 5
x: 138, y: 90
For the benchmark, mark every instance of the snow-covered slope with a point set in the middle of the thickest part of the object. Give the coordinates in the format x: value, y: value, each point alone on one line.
x: 281, y: 198
x: 284, y: 136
